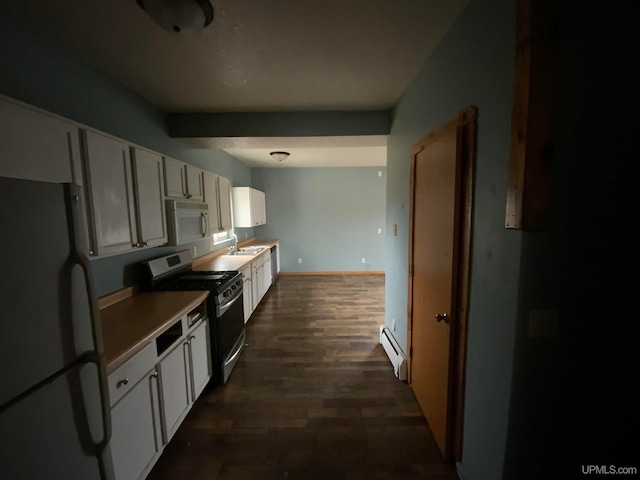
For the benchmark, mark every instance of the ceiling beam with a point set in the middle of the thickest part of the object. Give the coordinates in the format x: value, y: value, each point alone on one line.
x: 279, y: 124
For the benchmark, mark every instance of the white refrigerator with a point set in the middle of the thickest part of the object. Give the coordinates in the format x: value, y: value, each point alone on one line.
x: 54, y: 407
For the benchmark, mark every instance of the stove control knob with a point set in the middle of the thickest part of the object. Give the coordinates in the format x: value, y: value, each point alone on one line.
x: 226, y: 293
x: 233, y: 287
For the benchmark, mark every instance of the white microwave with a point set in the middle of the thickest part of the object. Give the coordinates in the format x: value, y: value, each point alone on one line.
x: 188, y: 222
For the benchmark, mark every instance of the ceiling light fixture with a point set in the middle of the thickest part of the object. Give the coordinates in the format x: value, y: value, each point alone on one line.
x: 179, y: 16
x: 279, y: 156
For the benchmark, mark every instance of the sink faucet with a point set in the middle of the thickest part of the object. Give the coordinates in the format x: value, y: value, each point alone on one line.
x: 234, y: 246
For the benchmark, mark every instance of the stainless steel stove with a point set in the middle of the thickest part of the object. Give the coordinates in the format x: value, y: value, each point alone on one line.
x: 224, y: 304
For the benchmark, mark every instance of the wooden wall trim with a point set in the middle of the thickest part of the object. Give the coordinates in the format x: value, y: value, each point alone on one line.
x: 529, y: 188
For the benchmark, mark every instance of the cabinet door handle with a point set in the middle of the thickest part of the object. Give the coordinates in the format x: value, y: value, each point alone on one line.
x: 154, y: 374
x: 137, y: 245
x: 146, y: 244
x: 122, y: 382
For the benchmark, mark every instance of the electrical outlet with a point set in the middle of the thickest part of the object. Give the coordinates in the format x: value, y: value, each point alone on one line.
x: 299, y: 260
x: 379, y: 173
x: 393, y: 324
x: 364, y: 260
x: 195, y: 251
x: 379, y: 230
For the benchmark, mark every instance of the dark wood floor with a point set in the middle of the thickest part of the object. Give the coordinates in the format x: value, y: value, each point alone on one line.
x: 313, y: 397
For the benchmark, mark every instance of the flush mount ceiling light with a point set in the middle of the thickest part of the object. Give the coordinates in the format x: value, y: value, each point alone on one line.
x: 279, y: 156
x: 179, y: 16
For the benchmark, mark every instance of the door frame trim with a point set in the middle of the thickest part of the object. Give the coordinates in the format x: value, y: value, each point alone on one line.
x: 466, y: 122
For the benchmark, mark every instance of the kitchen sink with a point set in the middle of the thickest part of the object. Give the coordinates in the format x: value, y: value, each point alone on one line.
x: 248, y: 250
x: 256, y: 249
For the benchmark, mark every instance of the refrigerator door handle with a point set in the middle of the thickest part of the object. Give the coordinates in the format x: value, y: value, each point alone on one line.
x: 79, y: 256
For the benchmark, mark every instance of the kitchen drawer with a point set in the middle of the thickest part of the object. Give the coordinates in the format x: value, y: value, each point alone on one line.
x: 258, y: 262
x: 128, y: 375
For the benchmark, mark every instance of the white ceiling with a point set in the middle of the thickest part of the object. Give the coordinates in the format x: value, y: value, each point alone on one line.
x: 361, y: 151
x: 258, y: 56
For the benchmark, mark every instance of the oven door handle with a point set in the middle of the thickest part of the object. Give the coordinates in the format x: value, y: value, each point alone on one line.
x: 222, y: 309
x: 240, y: 344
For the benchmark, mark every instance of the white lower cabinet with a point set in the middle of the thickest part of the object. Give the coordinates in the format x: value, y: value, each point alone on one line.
x: 266, y: 274
x: 261, y: 278
x: 247, y: 294
x: 200, y: 358
x: 257, y: 279
x: 174, y: 385
x: 136, y: 442
x: 147, y: 409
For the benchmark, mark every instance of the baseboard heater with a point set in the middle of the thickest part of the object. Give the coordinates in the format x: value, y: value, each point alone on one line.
x: 398, y: 360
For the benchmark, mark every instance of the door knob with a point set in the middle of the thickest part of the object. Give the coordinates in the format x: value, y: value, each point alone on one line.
x: 442, y: 318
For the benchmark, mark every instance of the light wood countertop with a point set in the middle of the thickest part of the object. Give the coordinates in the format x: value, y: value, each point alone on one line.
x: 131, y: 324
x: 233, y: 262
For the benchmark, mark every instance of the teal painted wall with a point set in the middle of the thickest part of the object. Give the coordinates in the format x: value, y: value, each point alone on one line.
x: 38, y: 72
x: 472, y: 65
x: 329, y: 217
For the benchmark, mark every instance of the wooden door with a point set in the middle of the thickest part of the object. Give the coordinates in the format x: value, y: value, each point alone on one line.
x: 440, y: 230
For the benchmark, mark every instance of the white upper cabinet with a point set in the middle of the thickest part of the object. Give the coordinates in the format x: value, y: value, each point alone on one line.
x: 150, y: 209
x: 194, y: 183
x: 249, y: 207
x: 182, y: 180
x: 110, y: 194
x: 35, y: 145
x: 217, y: 196
x: 175, y: 178
x: 224, y: 194
x: 210, y: 181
